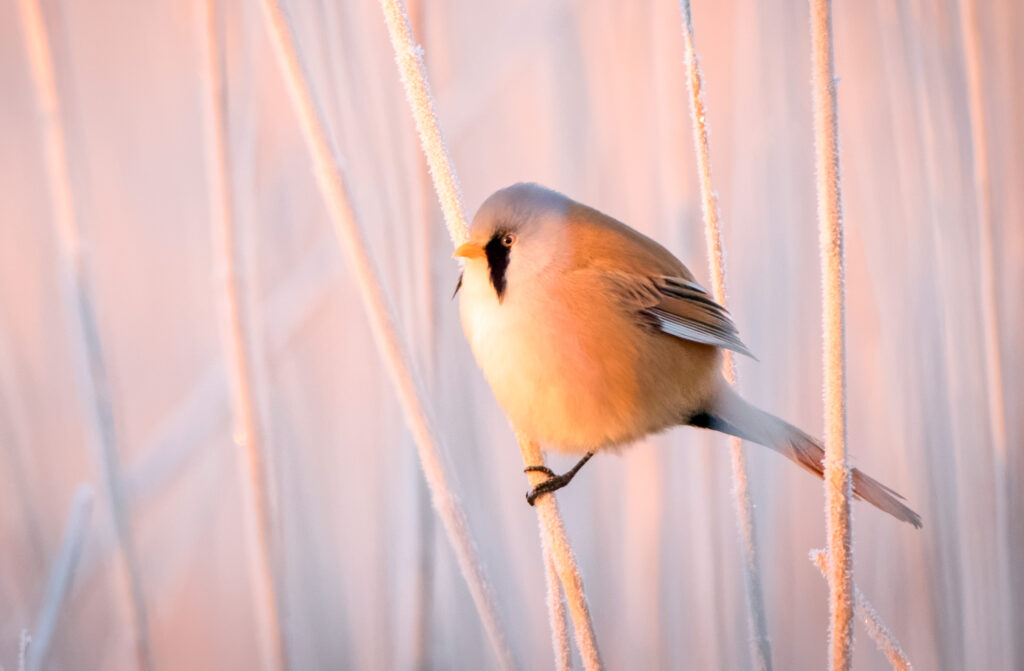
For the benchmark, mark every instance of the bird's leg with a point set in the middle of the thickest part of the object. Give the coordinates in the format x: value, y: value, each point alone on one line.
x: 554, y: 482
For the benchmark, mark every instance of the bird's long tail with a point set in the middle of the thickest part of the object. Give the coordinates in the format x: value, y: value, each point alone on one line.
x: 731, y: 414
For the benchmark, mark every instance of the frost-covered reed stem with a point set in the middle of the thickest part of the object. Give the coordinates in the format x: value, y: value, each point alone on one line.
x: 91, y: 371
x: 61, y: 576
x: 877, y: 630
x: 397, y: 359
x: 414, y: 79
x: 761, y: 644
x: 556, y: 548
x: 556, y: 614
x: 228, y: 278
x: 830, y: 222
x: 409, y: 58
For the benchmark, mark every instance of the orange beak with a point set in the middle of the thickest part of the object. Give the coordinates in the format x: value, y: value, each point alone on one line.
x: 469, y: 250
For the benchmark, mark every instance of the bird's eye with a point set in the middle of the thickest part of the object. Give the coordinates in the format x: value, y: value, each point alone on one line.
x: 508, y: 240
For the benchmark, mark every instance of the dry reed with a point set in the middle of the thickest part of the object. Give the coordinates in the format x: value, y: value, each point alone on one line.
x: 397, y: 359
x: 983, y: 211
x: 557, y: 550
x: 234, y: 327
x: 61, y: 577
x: 556, y: 615
x: 987, y: 286
x: 761, y: 644
x: 877, y: 629
x: 837, y: 473
x: 553, y: 539
x: 409, y: 58
x: 91, y: 370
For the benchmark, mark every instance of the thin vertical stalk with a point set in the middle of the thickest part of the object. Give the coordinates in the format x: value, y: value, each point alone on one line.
x: 746, y: 524
x: 987, y: 289
x: 876, y: 627
x: 393, y: 349
x: 408, y: 56
x: 61, y: 576
x: 983, y: 210
x: 93, y: 382
x: 557, y: 550
x: 229, y: 280
x: 830, y: 222
x: 556, y: 614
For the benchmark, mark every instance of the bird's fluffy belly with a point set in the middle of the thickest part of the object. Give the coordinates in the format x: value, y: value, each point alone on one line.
x: 576, y: 379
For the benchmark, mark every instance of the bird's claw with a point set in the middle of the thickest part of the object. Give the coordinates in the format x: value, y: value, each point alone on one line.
x: 553, y: 483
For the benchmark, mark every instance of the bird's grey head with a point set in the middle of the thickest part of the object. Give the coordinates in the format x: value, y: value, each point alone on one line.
x: 516, y: 233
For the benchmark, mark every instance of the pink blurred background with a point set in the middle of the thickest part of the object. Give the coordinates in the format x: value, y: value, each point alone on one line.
x: 588, y: 98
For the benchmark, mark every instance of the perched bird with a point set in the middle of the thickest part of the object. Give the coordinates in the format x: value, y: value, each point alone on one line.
x: 592, y: 336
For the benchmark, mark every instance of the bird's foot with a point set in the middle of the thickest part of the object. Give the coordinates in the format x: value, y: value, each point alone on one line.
x: 554, y: 482
x: 540, y: 469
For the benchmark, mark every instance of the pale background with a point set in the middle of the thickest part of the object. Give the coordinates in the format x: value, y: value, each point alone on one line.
x: 588, y: 98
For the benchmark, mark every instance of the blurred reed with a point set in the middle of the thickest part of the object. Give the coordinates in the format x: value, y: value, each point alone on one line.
x: 837, y: 473
x: 746, y: 524
x: 408, y: 56
x: 987, y: 290
x: 397, y: 359
x: 229, y: 285
x: 91, y: 369
x: 983, y: 213
x: 61, y: 576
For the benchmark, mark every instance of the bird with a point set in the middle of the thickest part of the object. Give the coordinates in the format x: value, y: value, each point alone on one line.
x: 592, y: 335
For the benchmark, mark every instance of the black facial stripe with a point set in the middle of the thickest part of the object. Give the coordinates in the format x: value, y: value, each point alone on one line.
x: 497, y: 261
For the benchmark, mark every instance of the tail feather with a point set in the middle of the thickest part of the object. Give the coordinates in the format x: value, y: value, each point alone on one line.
x: 732, y: 415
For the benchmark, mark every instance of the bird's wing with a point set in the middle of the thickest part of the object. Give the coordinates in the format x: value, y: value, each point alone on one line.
x: 682, y: 308
x: 654, y: 282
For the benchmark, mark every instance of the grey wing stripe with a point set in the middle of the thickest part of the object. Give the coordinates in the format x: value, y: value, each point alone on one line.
x: 689, y: 329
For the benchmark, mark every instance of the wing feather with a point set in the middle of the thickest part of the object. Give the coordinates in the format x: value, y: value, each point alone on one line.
x: 682, y: 308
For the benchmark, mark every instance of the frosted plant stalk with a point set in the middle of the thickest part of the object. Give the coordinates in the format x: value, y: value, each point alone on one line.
x: 830, y: 222
x: 397, y: 359
x: 228, y: 278
x: 61, y: 576
x: 556, y: 548
x: 877, y: 629
x: 91, y: 371
x: 761, y: 644
x: 409, y: 58
x: 556, y: 614
x: 553, y: 539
